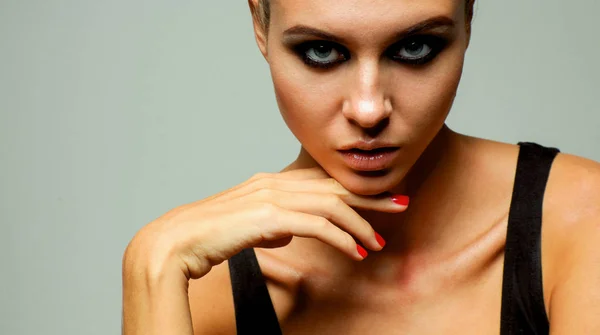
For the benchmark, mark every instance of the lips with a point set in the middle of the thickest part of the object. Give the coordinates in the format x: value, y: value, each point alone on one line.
x: 368, y: 146
x: 371, y: 151
x: 369, y: 160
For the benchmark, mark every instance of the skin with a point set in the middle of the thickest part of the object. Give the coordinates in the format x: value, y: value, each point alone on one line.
x: 444, y: 255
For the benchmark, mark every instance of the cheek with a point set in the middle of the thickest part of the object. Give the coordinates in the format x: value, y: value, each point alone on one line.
x: 311, y: 104
x: 307, y: 104
x: 424, y: 98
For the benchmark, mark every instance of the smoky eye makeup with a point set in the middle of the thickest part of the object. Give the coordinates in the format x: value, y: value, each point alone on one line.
x: 412, y: 50
x: 418, y: 49
x: 321, y: 54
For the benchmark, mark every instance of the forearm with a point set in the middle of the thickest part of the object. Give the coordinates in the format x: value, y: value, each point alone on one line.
x: 155, y: 304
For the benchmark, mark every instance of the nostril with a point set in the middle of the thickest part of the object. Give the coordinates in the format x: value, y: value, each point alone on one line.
x: 376, y: 130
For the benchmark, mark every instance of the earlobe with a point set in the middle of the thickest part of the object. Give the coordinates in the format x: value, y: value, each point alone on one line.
x: 259, y: 30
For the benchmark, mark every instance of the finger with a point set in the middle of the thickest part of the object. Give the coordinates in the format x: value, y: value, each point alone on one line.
x: 255, y: 182
x: 284, y: 222
x: 382, y: 203
x: 328, y: 206
x: 256, y: 225
x: 387, y: 202
x: 276, y: 243
x: 315, y: 172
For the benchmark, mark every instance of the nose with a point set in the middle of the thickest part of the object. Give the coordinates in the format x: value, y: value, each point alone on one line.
x: 366, y: 103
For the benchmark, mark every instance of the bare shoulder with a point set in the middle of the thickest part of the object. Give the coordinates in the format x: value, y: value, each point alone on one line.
x: 574, y: 182
x: 571, y: 244
x: 571, y: 200
x: 570, y: 233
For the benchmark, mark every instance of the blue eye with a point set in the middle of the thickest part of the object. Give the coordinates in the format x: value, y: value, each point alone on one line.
x: 417, y: 50
x: 321, y: 54
x: 413, y: 50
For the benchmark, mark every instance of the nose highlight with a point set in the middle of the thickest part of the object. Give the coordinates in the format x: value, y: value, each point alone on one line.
x: 368, y: 111
x: 366, y: 104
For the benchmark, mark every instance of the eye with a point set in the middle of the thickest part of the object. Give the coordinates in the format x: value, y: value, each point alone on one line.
x: 414, y: 50
x: 321, y: 54
x: 418, y: 49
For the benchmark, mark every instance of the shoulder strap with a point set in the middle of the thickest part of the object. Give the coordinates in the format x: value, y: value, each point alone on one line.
x: 523, y: 310
x: 254, y: 312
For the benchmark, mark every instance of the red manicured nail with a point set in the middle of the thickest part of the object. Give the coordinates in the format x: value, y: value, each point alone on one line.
x: 380, y: 240
x: 401, y: 200
x: 363, y: 253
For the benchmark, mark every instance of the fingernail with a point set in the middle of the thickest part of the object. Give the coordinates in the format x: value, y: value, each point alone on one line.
x: 380, y: 240
x: 401, y: 200
x: 363, y: 253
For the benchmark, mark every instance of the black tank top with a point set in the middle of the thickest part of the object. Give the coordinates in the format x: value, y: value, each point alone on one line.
x: 522, y: 309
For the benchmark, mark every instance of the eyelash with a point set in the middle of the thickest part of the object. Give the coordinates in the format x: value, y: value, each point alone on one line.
x: 436, y: 43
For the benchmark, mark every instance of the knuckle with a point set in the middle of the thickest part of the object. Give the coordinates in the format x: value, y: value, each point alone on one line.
x: 337, y: 187
x: 323, y: 224
x: 332, y: 182
x: 333, y: 206
x: 266, y: 211
x: 260, y: 175
x: 350, y: 242
x: 264, y: 193
x: 334, y: 200
x: 367, y: 229
x: 266, y: 182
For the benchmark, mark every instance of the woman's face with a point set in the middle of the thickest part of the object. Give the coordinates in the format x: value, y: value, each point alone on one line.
x: 358, y: 70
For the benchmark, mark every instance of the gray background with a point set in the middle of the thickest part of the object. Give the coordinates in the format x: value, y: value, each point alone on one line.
x: 113, y: 112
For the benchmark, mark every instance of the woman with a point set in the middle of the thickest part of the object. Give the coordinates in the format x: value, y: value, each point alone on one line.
x: 366, y: 87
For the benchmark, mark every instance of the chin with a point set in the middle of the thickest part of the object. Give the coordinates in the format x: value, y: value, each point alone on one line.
x: 369, y: 183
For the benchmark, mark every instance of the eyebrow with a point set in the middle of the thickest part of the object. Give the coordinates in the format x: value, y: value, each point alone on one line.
x: 428, y: 24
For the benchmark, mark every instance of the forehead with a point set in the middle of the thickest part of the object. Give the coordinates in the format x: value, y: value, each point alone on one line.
x: 362, y: 15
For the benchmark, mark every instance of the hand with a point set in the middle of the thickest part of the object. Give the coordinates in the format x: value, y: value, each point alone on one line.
x: 266, y: 211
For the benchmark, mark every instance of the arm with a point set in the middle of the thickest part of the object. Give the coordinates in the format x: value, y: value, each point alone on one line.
x: 153, y: 304
x: 575, y: 300
x: 268, y: 210
x: 574, y: 306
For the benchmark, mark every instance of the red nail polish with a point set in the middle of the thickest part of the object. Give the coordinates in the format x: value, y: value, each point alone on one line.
x: 363, y: 253
x: 402, y: 200
x: 380, y: 240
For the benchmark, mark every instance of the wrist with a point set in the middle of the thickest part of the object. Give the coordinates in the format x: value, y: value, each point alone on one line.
x: 150, y: 260
x: 155, y: 295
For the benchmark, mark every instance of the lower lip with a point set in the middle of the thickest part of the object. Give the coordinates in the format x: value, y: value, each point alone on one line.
x: 369, y: 161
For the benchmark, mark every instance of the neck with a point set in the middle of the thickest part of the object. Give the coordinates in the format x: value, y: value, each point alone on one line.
x: 430, y: 186
x: 427, y: 182
x: 439, y: 222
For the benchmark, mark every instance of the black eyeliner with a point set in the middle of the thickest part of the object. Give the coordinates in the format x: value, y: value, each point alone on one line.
x: 302, y: 48
x: 435, y: 42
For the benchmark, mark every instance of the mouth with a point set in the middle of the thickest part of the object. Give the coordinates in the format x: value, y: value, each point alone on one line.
x: 369, y: 160
x: 370, y: 151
